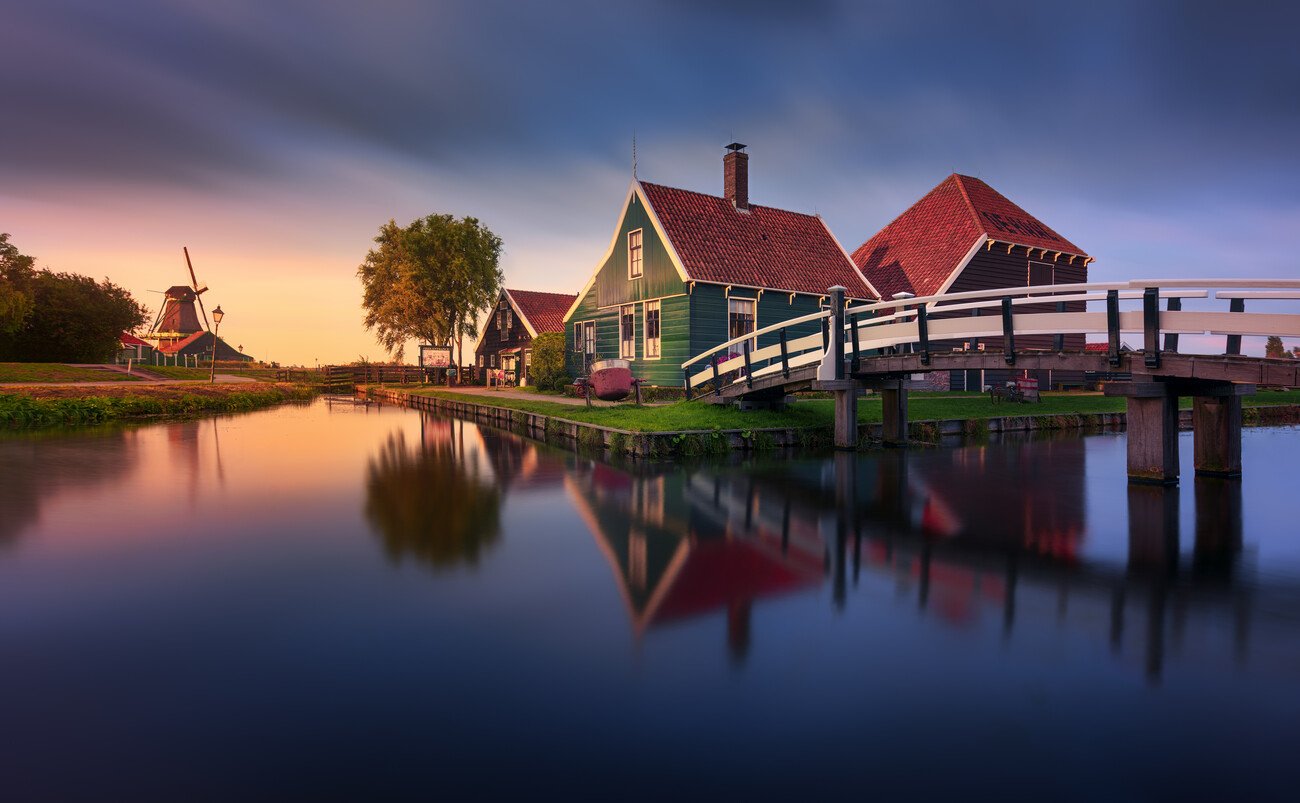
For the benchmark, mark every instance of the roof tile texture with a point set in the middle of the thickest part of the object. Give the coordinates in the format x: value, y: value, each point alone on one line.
x: 544, y: 311
x: 922, y: 247
x: 757, y: 247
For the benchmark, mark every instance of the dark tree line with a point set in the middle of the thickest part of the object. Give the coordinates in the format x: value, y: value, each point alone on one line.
x: 59, y: 317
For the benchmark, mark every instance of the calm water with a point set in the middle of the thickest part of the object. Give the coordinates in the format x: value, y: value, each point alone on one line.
x: 335, y: 602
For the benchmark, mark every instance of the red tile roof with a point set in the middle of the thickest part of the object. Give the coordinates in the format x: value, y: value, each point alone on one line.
x: 175, y: 346
x: 128, y: 339
x: 760, y: 247
x: 544, y: 311
x: 922, y: 247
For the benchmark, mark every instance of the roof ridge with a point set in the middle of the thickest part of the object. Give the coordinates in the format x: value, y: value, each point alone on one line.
x: 723, y: 198
x: 965, y: 196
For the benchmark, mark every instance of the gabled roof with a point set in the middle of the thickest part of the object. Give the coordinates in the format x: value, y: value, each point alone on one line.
x: 541, y: 312
x: 923, y: 248
x: 177, y: 346
x: 757, y: 247
x: 128, y: 339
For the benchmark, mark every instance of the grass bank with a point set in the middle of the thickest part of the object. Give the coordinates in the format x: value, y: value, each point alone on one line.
x: 814, y: 413
x: 58, y: 407
x: 37, y: 372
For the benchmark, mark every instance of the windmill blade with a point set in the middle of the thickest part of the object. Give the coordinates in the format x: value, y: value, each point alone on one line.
x: 198, y: 294
x: 205, y: 312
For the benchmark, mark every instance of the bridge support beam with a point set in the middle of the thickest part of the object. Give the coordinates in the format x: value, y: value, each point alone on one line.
x: 1216, y: 425
x: 1152, y: 430
x: 893, y: 402
x: 846, y: 411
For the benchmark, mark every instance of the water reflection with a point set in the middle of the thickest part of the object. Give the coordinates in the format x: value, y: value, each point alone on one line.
x: 37, y: 469
x: 437, y: 500
x: 994, y: 534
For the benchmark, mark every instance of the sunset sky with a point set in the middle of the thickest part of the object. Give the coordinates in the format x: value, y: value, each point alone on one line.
x: 274, y: 138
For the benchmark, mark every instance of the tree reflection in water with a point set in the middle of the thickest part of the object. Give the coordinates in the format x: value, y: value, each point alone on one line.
x: 430, y: 502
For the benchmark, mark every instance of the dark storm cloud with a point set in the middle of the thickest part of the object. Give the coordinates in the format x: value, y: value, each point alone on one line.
x: 1121, y: 96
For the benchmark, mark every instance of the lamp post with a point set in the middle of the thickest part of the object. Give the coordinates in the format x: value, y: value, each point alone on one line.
x: 217, y: 315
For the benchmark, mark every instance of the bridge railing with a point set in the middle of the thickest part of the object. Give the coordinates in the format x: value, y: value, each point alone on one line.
x: 713, y: 367
x: 917, y: 323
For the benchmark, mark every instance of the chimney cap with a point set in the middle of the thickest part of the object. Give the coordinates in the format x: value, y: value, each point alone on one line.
x: 735, y: 146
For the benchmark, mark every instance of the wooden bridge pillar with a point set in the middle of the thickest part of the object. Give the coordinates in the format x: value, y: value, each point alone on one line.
x: 893, y: 401
x: 1216, y: 425
x: 1152, y: 430
x: 846, y: 411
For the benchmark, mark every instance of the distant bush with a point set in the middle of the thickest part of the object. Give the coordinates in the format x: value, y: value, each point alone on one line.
x: 548, y: 361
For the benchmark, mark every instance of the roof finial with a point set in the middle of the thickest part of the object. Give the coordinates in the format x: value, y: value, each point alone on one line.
x: 633, y: 154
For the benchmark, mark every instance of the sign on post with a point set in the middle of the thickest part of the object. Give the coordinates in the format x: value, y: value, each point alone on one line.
x: 435, y: 356
x: 1028, y: 387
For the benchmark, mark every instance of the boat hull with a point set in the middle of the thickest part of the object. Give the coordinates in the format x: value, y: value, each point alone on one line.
x: 611, y: 380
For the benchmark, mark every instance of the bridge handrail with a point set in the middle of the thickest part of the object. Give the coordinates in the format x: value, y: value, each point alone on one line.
x: 1057, y: 289
x: 814, y: 316
x: 1072, y: 298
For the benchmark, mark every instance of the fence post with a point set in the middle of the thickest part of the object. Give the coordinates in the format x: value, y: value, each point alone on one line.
x: 1058, y: 340
x: 1008, y: 332
x: 785, y: 358
x: 717, y: 386
x: 749, y: 373
x: 686, y: 382
x: 1112, y: 328
x: 1171, y: 339
x: 923, y: 333
x: 1234, y: 341
x: 1151, y: 326
x: 837, y: 317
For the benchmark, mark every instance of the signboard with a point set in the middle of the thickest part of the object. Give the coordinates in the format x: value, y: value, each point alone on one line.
x: 435, y: 356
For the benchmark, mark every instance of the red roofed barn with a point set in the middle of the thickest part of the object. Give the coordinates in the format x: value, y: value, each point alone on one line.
x: 517, y: 318
x: 686, y: 271
x: 964, y: 235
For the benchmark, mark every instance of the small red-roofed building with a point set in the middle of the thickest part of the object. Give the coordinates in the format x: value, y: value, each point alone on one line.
x: 686, y: 271
x: 504, y: 349
x: 964, y: 235
x: 133, y: 348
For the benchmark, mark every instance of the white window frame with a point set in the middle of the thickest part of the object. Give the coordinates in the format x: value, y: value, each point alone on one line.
x: 639, y: 250
x: 649, y: 351
x: 753, y: 305
x: 589, y: 343
x: 627, y: 344
x: 577, y: 337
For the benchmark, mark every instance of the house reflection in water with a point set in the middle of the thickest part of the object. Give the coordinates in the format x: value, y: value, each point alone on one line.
x: 681, y: 547
x: 971, y: 534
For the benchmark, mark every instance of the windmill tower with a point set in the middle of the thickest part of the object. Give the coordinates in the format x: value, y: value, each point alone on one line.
x: 178, y: 319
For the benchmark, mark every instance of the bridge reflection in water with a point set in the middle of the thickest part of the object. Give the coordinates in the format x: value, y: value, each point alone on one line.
x: 968, y: 534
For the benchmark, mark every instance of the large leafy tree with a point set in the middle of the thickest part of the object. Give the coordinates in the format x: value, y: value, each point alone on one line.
x: 429, y: 281
x: 16, y: 270
x: 59, y: 317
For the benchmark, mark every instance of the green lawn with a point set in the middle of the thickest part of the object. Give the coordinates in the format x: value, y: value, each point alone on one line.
x: 819, y: 412
x: 56, y: 372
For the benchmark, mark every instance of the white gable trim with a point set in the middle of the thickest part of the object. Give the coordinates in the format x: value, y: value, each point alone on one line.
x: 633, y: 190
x: 952, y: 277
x: 519, y: 311
x: 849, y: 259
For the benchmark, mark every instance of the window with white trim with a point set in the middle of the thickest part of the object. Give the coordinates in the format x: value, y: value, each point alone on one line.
x: 577, y: 338
x: 652, y: 339
x: 627, y: 332
x: 740, y: 318
x: 634, y: 264
x: 589, y: 337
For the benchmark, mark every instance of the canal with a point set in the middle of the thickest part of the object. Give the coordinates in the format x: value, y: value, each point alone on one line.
x: 350, y: 602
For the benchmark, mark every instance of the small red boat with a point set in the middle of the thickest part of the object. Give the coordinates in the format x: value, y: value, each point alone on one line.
x: 610, y: 380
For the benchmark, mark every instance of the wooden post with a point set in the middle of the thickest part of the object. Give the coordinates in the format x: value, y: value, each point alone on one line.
x: 1216, y: 425
x: 1234, y: 341
x: 1151, y: 326
x: 1152, y: 430
x: 846, y: 413
x: 1171, y: 339
x: 837, y: 328
x: 893, y: 400
x: 1008, y: 332
x: 1112, y: 328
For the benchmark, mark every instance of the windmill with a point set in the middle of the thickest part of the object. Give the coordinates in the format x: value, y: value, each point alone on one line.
x: 177, y: 319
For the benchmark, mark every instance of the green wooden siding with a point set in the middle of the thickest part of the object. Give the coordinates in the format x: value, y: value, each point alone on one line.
x: 659, y: 275
x: 709, y: 306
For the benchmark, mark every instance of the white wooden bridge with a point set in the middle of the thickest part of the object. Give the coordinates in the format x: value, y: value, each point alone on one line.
x: 881, y: 345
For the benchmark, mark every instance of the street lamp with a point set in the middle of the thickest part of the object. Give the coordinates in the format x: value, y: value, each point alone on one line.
x: 217, y: 315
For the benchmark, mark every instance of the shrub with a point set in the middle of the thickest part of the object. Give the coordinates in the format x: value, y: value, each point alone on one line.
x: 548, y: 361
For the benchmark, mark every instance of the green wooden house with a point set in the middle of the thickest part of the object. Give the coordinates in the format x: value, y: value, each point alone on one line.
x: 686, y: 271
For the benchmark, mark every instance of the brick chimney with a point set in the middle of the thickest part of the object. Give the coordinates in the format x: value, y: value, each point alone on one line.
x: 735, y: 176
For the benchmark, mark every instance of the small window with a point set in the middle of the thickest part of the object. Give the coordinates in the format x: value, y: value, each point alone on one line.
x: 634, y: 254
x: 501, y: 320
x: 494, y: 360
x: 652, y: 329
x: 740, y: 317
x: 510, y: 319
x: 589, y: 337
x: 627, y: 332
x: 577, y: 338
